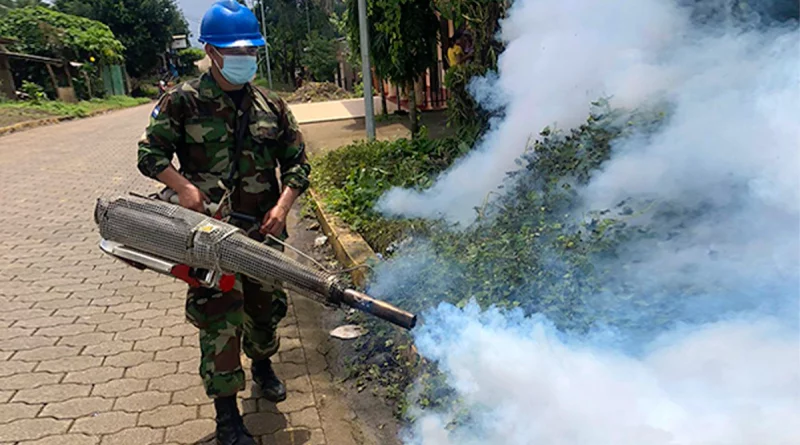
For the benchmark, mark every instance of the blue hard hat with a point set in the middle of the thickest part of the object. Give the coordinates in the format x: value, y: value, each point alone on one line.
x: 228, y: 24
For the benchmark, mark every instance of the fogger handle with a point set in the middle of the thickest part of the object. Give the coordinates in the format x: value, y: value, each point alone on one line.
x: 380, y: 309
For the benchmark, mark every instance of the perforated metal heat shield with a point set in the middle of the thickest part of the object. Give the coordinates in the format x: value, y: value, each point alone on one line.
x: 189, y: 237
x: 181, y: 235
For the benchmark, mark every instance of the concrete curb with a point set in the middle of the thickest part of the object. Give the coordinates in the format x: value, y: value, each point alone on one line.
x: 350, y: 248
x: 329, y: 119
x: 28, y: 125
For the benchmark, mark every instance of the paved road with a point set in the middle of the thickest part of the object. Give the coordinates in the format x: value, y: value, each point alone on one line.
x: 93, y: 351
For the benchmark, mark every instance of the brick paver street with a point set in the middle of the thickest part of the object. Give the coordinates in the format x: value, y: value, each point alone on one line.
x: 93, y: 351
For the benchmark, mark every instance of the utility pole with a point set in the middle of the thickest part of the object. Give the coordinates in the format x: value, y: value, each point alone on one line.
x: 366, y: 72
x: 266, y: 42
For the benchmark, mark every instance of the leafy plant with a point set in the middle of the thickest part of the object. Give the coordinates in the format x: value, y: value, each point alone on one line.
x: 44, y: 32
x: 187, y: 57
x: 319, y: 56
x: 402, y: 41
x: 144, y: 27
x: 481, y: 18
x: 525, y: 251
x: 34, y: 91
x: 463, y: 113
x: 354, y: 177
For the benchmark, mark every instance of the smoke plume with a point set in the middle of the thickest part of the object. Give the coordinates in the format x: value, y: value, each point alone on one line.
x: 561, y: 56
x: 726, y: 371
x: 729, y: 383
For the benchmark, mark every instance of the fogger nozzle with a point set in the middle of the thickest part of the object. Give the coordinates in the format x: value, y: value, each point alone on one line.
x: 173, y: 233
x: 378, y: 308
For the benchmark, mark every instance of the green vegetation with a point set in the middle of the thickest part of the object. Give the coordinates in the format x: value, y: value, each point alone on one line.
x: 8, y: 5
x: 188, y: 56
x: 525, y: 250
x: 403, y: 36
x: 144, y: 27
x: 80, y: 109
x: 352, y: 178
x: 319, y: 56
x: 44, y: 32
x: 481, y: 18
x: 300, y: 34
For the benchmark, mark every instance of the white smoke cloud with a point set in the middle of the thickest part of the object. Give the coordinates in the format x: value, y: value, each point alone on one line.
x: 560, y: 56
x: 730, y: 151
x: 730, y: 383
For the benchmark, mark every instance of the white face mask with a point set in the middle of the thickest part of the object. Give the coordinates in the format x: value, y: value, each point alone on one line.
x: 238, y: 69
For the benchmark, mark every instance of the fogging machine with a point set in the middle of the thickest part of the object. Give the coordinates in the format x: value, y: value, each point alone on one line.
x: 204, y: 251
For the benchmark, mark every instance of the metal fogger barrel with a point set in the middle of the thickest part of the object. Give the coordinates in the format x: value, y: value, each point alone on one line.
x: 148, y: 227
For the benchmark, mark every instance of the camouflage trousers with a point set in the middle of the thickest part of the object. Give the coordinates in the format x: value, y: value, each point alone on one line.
x: 243, y: 319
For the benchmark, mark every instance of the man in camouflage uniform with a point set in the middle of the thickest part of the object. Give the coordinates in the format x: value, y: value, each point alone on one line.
x: 209, y: 123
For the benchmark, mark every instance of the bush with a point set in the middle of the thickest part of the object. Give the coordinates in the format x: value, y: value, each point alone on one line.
x: 525, y: 252
x: 45, y: 32
x: 187, y: 57
x: 34, y: 92
x: 352, y: 178
x: 146, y: 90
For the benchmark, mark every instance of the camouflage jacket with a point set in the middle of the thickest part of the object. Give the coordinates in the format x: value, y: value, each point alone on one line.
x: 197, y: 121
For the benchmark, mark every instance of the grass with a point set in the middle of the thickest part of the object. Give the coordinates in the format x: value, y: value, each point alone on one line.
x: 75, y: 110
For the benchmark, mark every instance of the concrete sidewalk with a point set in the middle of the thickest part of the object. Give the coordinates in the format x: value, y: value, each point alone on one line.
x: 336, y: 110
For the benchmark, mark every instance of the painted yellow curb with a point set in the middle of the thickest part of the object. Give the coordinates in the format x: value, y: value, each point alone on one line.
x: 350, y: 248
x: 32, y: 124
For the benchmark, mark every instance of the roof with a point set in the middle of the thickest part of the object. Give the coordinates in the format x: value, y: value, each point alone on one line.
x: 31, y: 57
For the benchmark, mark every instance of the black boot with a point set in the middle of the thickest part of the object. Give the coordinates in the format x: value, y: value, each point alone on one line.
x: 265, y: 377
x: 230, y: 426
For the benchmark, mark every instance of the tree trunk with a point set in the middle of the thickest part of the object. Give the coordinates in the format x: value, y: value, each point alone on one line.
x: 412, y: 108
x: 383, y: 97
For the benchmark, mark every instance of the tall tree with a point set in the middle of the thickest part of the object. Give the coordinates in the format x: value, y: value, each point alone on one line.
x: 287, y: 32
x: 145, y: 27
x: 403, y: 36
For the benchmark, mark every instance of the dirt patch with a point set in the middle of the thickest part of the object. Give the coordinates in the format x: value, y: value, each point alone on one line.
x: 318, y: 92
x: 11, y: 116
